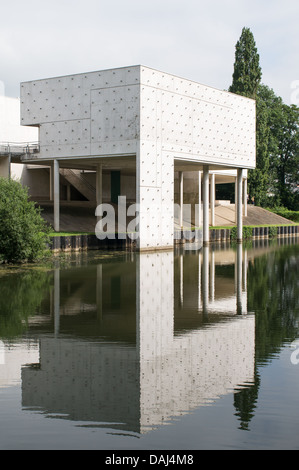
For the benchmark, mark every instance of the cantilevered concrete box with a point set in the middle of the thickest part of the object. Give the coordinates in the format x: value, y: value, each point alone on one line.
x: 163, y: 121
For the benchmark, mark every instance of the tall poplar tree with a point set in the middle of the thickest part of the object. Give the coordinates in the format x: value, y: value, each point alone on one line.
x: 246, y: 81
x: 247, y: 71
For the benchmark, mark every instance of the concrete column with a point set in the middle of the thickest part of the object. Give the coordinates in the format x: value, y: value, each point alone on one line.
x: 4, y: 167
x: 245, y: 198
x: 212, y: 198
x: 68, y: 192
x: 239, y: 205
x: 154, y: 199
x: 56, y: 195
x: 181, y: 193
x: 51, y: 183
x: 205, y: 196
x: 99, y: 184
x: 9, y: 166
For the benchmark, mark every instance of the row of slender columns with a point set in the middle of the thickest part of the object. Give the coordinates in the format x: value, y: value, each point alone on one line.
x: 208, y: 200
x: 205, y: 198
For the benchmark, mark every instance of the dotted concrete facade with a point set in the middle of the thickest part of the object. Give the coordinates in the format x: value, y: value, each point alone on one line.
x: 165, y: 122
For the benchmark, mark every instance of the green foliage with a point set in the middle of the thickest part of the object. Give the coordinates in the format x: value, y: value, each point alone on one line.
x: 272, y: 232
x: 288, y: 214
x: 273, y: 295
x: 258, y: 179
x: 21, y: 294
x: 247, y: 71
x: 23, y: 232
x: 274, y: 180
x: 246, y: 233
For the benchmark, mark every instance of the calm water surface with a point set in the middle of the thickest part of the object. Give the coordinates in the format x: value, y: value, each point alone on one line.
x: 173, y: 350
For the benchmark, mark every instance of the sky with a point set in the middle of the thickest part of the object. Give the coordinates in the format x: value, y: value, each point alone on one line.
x: 193, y: 39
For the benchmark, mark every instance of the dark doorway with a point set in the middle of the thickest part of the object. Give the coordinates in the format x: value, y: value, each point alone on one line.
x: 115, y: 186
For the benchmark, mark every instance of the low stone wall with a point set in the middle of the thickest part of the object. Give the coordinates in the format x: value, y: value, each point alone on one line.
x: 256, y: 232
x: 91, y: 242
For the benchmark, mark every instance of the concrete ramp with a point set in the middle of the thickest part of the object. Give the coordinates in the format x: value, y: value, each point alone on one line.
x: 225, y: 215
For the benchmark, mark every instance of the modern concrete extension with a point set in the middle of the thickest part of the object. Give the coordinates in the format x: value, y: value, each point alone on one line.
x: 150, y: 123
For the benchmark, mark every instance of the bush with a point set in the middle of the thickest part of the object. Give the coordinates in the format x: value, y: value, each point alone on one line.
x: 246, y: 233
x: 23, y: 232
x: 284, y: 212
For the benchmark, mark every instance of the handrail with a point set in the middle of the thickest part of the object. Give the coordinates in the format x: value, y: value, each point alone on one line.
x: 19, y: 148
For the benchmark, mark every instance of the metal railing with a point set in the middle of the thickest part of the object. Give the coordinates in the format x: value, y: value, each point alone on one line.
x: 19, y: 148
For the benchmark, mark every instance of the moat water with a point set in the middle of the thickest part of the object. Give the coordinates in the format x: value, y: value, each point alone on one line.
x: 172, y: 350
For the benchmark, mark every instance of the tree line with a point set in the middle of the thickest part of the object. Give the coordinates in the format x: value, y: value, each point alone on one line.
x: 274, y: 182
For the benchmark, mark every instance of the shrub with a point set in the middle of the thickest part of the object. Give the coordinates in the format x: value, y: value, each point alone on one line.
x: 246, y: 233
x: 272, y: 232
x: 284, y: 212
x: 23, y: 232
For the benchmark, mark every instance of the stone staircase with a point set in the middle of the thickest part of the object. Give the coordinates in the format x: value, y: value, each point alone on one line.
x: 77, y: 179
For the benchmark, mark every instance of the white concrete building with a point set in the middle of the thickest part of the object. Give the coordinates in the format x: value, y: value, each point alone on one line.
x: 146, y: 128
x: 13, y: 137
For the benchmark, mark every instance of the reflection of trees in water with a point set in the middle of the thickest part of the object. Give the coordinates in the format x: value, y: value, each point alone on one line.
x: 245, y: 402
x: 273, y: 295
x: 20, y: 296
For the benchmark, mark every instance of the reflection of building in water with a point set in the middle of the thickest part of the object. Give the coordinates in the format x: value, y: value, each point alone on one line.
x: 202, y: 288
x: 165, y: 374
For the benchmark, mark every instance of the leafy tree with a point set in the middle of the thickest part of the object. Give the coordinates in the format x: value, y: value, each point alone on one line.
x: 246, y: 80
x: 277, y: 132
x: 258, y: 178
x: 287, y: 159
x: 23, y: 232
x: 283, y: 148
x: 247, y: 71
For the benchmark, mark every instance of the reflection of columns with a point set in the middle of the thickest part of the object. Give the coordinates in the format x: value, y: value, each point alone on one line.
x: 245, y: 270
x: 198, y: 215
x: 199, y: 282
x: 212, y: 198
x: 239, y: 205
x: 99, y: 292
x: 239, y: 279
x: 205, y: 188
x: 181, y: 193
x: 205, y: 279
x: 56, y: 301
x: 56, y: 195
x: 212, y: 276
x: 182, y: 279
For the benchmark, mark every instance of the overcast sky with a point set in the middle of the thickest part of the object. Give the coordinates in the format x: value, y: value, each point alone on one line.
x: 194, y: 39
